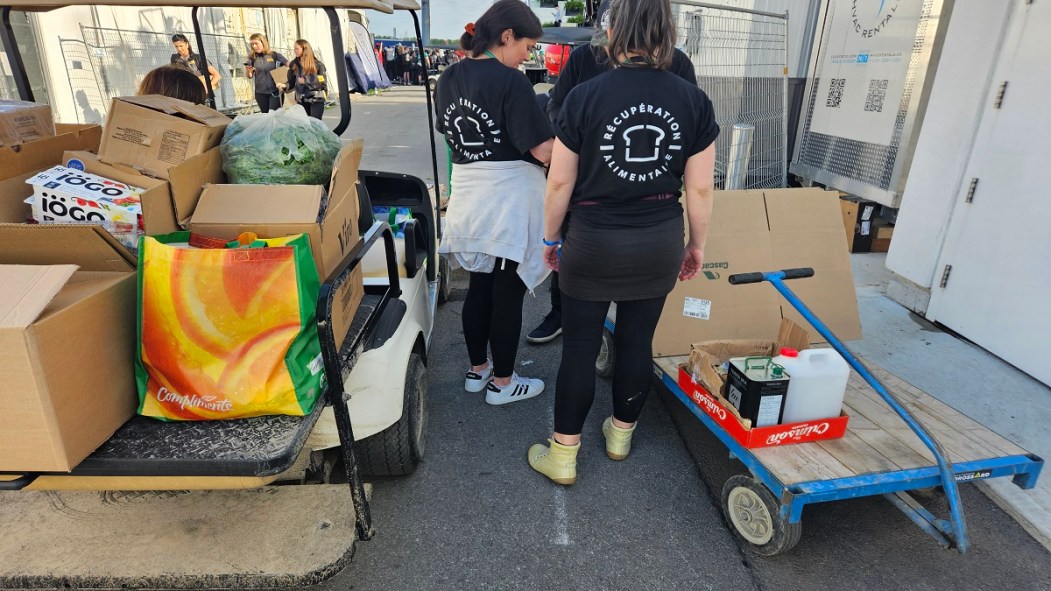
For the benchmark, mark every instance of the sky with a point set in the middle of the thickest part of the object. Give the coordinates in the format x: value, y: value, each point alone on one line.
x: 447, y: 19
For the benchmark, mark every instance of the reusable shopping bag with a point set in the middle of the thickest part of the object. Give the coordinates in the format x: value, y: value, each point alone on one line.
x: 227, y: 330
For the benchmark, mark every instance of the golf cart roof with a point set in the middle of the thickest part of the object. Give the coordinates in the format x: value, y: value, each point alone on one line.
x: 386, y: 6
x: 567, y: 35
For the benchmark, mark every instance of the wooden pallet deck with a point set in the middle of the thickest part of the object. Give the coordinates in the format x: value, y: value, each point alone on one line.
x: 877, y: 439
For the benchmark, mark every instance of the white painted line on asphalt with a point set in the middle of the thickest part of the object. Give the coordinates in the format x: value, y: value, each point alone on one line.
x: 561, y: 528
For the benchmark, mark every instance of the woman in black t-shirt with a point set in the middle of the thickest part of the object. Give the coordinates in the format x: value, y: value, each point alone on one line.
x: 261, y: 62
x: 306, y: 76
x: 628, y: 142
x: 498, y: 138
x: 185, y: 57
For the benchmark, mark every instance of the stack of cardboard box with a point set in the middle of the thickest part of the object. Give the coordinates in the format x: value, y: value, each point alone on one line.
x: 67, y: 292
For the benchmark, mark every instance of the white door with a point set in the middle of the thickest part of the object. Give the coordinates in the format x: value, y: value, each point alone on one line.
x: 998, y: 291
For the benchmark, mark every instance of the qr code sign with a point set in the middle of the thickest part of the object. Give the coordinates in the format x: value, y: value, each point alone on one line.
x: 835, y: 92
x: 877, y: 92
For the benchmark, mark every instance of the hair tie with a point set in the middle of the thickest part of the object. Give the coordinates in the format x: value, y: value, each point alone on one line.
x: 469, y: 27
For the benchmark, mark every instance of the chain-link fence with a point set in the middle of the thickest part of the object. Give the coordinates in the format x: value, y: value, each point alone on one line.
x: 112, y: 62
x: 740, y: 57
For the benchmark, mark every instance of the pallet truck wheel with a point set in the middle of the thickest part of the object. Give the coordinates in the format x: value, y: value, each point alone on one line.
x: 444, y: 286
x: 398, y: 449
x: 607, y: 356
x: 754, y: 516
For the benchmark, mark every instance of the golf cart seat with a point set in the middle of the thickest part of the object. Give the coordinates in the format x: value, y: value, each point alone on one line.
x: 419, y: 236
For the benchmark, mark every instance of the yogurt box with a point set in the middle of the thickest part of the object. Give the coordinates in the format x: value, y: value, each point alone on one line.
x: 67, y: 195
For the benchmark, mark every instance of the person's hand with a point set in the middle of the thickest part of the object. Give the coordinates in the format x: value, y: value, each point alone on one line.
x: 300, y: 80
x: 551, y: 257
x: 281, y: 86
x: 692, y: 259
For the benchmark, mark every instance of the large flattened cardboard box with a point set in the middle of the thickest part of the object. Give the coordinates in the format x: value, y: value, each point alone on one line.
x: 67, y: 340
x: 22, y: 121
x: 153, y: 133
x: 166, y: 205
x: 226, y: 211
x: 20, y: 162
x: 763, y: 230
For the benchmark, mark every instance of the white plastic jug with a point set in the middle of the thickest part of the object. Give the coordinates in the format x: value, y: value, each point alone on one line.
x: 817, y: 385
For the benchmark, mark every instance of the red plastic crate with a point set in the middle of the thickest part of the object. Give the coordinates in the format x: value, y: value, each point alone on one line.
x: 771, y: 436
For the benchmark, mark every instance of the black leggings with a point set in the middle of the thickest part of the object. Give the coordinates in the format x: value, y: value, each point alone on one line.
x: 581, y: 340
x: 267, y: 102
x: 492, y: 316
x: 315, y: 109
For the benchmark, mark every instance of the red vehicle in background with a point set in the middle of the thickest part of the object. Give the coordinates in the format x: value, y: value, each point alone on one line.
x: 556, y: 54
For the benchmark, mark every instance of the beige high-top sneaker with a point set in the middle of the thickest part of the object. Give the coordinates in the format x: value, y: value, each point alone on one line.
x: 618, y: 441
x: 558, y: 462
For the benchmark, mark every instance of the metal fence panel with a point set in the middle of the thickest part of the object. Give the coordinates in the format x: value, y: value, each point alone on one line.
x: 740, y: 57
x: 119, y: 59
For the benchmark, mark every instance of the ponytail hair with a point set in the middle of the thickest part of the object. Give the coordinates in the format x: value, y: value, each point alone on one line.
x: 480, y: 36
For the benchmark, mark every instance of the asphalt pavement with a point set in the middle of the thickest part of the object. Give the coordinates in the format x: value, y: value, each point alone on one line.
x: 475, y: 516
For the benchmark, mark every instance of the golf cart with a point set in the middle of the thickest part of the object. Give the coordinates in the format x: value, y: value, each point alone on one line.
x: 371, y: 420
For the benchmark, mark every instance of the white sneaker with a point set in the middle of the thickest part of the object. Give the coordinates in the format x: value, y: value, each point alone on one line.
x: 519, y: 389
x: 476, y: 382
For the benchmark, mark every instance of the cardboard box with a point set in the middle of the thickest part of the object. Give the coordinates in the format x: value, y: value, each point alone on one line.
x: 881, y: 243
x: 280, y: 75
x: 166, y: 205
x: 722, y: 413
x: 153, y: 133
x: 225, y: 211
x: 763, y: 230
x: 19, y: 162
x: 707, y: 357
x: 22, y: 121
x: 859, y: 217
x: 67, y: 338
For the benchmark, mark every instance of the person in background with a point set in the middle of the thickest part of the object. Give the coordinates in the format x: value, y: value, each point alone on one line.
x: 184, y: 57
x: 306, y: 76
x: 390, y: 55
x: 498, y: 139
x: 261, y: 62
x: 175, y: 82
x: 584, y: 63
x: 406, y: 66
x: 627, y: 144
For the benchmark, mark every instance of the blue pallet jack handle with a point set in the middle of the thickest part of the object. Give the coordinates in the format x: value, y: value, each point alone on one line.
x: 956, y: 530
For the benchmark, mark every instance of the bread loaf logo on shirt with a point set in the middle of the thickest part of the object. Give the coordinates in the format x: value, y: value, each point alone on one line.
x: 470, y: 129
x: 640, y: 142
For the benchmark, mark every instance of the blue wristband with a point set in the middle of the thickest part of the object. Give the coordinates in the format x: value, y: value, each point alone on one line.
x: 552, y: 242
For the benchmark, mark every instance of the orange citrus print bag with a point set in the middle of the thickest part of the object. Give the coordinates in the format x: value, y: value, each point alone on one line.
x: 227, y: 332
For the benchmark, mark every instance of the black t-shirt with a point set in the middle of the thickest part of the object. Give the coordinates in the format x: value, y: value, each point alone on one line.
x: 193, y: 62
x: 488, y: 111
x: 634, y: 129
x: 583, y: 65
x: 264, y: 64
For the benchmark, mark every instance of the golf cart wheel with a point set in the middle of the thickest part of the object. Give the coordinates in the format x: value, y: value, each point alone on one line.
x: 398, y: 449
x: 607, y: 356
x: 444, y: 286
x: 755, y: 518
x: 432, y: 84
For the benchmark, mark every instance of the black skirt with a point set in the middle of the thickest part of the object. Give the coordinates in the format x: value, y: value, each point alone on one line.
x: 620, y: 264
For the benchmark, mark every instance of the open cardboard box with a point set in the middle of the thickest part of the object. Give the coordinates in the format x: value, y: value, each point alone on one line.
x: 763, y: 230
x: 154, y: 133
x: 226, y: 211
x: 703, y: 380
x: 166, y: 204
x: 22, y: 161
x: 67, y: 338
